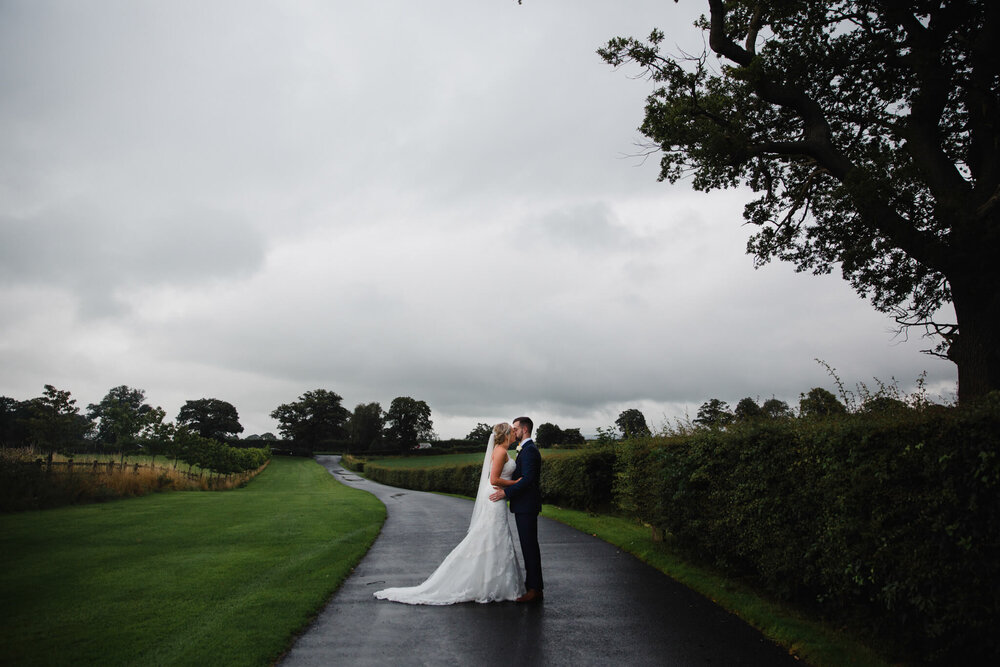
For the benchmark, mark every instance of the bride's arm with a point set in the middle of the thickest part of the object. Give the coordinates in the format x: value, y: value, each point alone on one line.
x: 499, y: 459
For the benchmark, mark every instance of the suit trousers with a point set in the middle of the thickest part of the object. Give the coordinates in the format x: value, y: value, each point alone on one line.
x: 527, y: 531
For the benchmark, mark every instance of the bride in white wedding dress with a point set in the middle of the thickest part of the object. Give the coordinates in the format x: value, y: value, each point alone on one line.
x: 483, y: 567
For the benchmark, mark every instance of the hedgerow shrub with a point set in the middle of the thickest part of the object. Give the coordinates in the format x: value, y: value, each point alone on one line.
x: 352, y: 462
x: 461, y: 479
x: 579, y: 480
x: 887, y: 521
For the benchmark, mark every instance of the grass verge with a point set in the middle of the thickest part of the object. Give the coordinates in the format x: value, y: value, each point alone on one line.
x: 807, y: 639
x: 182, y: 578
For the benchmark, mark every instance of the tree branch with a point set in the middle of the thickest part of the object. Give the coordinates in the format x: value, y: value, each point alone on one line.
x: 922, y: 129
x: 818, y: 144
x: 983, y: 104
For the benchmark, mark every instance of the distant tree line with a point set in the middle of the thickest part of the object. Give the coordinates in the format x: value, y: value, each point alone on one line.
x: 318, y: 421
x: 817, y: 403
x: 124, y: 423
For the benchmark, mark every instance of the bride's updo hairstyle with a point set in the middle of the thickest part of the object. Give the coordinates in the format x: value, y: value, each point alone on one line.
x: 501, y: 432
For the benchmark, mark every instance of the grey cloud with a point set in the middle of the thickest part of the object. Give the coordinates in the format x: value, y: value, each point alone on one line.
x: 589, y: 228
x: 439, y: 195
x: 96, y: 255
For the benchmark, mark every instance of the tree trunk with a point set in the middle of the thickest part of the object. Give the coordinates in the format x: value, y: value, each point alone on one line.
x: 976, y: 349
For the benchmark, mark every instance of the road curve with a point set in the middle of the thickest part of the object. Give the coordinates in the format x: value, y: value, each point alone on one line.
x: 602, y: 605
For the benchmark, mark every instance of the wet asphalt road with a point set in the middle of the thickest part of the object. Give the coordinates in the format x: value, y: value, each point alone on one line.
x: 602, y: 606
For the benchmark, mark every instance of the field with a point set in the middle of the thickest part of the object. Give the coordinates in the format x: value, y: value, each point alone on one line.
x: 180, y: 578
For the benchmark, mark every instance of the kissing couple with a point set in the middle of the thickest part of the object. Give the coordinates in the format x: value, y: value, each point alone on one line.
x: 483, y: 567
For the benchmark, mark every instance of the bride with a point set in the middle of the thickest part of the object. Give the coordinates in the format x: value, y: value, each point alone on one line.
x: 483, y: 567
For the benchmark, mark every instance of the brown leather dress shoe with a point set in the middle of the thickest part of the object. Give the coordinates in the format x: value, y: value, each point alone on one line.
x: 531, y: 596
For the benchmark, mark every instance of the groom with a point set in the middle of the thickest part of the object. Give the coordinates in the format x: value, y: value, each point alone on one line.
x: 525, y: 503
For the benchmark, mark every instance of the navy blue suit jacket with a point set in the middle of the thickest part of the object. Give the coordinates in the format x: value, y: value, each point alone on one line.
x: 526, y: 495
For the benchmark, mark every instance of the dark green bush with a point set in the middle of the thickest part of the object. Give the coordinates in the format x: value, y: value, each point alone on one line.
x: 888, y: 521
x: 462, y: 479
x: 581, y: 480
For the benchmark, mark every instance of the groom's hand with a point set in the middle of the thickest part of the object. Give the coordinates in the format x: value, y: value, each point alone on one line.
x: 498, y: 494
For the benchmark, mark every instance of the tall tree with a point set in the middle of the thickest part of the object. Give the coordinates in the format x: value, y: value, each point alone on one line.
x: 632, y: 424
x: 547, y: 435
x: 480, y: 434
x: 123, y: 416
x: 12, y: 423
x: 315, y: 418
x: 871, y: 131
x: 714, y: 413
x: 54, y: 422
x: 366, y: 426
x: 819, y: 402
x: 774, y: 408
x: 408, y: 421
x: 211, y: 418
x: 747, y: 410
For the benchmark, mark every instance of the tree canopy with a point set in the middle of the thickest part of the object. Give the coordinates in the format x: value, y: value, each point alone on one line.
x: 123, y: 417
x: 819, y: 402
x: 870, y: 131
x: 632, y: 423
x: 714, y: 413
x: 408, y: 422
x: 366, y: 425
x: 211, y: 418
x: 54, y: 422
x: 481, y: 433
x: 315, y: 418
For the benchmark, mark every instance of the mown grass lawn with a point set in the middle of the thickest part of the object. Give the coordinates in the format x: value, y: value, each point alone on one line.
x: 221, y: 578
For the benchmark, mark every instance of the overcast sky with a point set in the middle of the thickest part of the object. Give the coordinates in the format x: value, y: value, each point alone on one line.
x: 439, y: 199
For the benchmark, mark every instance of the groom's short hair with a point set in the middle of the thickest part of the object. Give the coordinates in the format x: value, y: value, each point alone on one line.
x: 526, y: 422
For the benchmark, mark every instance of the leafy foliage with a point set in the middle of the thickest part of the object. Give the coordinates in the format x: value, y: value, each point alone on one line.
x: 211, y: 418
x: 365, y: 426
x: 124, y: 418
x: 481, y: 433
x: 714, y: 413
x: 774, y: 408
x: 632, y: 424
x: 550, y: 435
x: 408, y: 422
x: 870, y: 132
x: 315, y: 418
x: 883, y: 521
x: 819, y: 402
x: 53, y: 423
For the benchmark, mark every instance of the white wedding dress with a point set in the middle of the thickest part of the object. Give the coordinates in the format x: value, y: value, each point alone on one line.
x: 483, y: 567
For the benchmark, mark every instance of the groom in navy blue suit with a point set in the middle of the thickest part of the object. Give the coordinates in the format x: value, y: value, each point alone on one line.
x: 525, y: 503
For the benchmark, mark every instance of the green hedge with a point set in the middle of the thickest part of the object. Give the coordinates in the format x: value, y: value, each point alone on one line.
x: 462, y: 480
x: 886, y: 522
x: 579, y: 480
